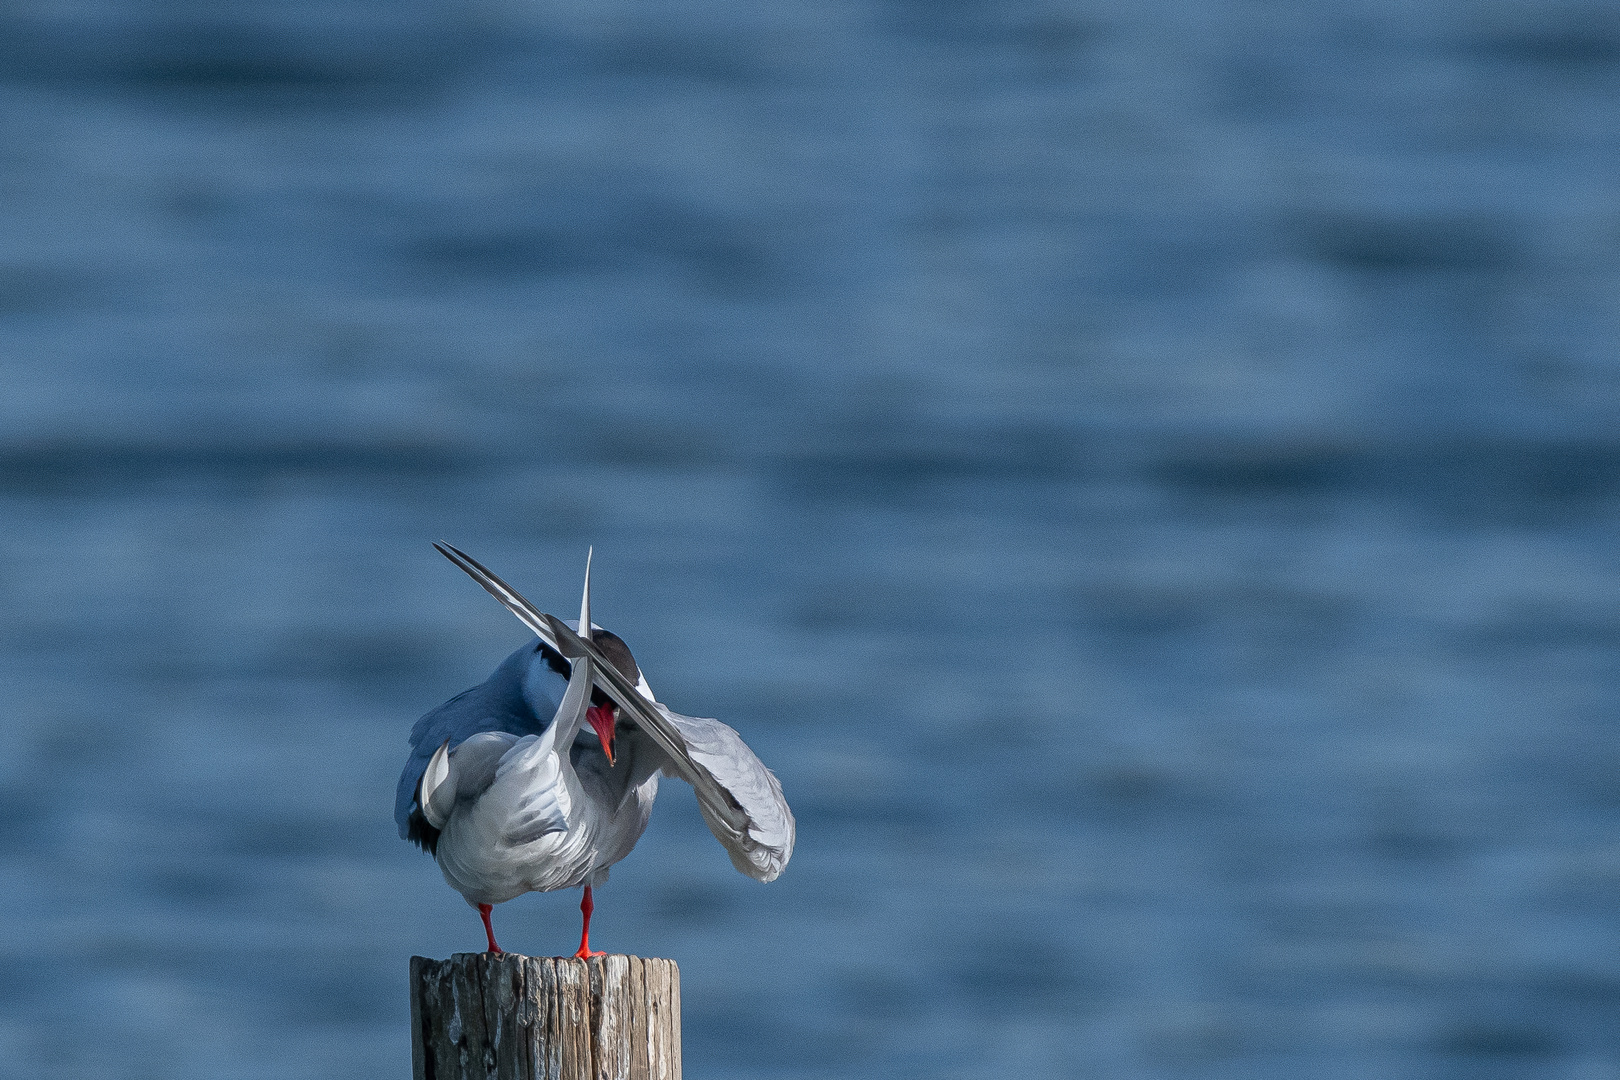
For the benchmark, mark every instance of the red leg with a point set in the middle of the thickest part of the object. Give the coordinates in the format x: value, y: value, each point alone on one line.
x: 483, y: 913
x: 586, y: 907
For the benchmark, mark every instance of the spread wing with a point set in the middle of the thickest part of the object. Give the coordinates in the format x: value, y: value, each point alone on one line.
x: 761, y: 848
x: 501, y: 591
x: 740, y: 800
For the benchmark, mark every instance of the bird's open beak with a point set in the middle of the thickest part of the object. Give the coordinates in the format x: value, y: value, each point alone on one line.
x: 601, y: 719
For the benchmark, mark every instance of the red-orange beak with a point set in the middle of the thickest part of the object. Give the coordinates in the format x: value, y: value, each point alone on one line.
x: 601, y: 720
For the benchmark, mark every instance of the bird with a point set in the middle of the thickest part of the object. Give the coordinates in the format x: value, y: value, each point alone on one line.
x: 544, y: 775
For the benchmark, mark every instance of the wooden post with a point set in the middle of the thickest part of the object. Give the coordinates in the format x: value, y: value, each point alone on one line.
x: 500, y: 1016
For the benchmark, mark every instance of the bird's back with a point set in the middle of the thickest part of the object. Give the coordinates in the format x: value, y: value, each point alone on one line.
x: 520, y: 698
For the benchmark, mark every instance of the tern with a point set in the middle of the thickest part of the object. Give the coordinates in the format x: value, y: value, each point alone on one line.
x: 544, y: 775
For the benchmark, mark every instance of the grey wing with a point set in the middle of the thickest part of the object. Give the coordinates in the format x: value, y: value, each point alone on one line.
x: 538, y: 808
x: 762, y: 847
x: 519, y: 698
x: 463, y: 774
x: 757, y: 834
x: 455, y: 720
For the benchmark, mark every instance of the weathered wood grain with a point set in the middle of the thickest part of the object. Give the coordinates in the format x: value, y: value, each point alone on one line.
x: 484, y: 1016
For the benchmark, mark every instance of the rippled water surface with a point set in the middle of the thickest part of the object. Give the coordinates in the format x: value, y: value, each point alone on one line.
x: 1145, y: 475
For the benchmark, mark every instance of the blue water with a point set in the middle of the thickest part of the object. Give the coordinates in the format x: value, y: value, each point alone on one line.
x: 1145, y: 475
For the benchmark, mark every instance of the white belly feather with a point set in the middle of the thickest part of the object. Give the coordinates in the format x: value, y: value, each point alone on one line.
x: 536, y: 828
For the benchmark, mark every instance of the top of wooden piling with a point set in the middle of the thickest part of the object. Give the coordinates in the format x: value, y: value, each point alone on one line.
x: 501, y: 1015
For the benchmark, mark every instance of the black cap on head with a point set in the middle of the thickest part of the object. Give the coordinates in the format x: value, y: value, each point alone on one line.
x: 614, y: 648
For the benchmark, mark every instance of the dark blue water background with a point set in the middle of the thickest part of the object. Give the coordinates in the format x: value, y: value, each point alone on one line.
x: 1146, y: 475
